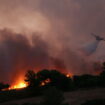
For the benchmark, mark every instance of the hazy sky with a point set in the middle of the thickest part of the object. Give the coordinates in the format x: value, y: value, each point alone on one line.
x: 33, y: 32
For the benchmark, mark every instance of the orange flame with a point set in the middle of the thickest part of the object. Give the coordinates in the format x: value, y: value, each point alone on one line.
x: 43, y: 83
x: 19, y: 85
x: 68, y: 75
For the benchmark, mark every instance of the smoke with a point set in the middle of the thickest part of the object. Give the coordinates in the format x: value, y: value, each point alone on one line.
x: 18, y: 54
x: 90, y: 49
x: 37, y: 34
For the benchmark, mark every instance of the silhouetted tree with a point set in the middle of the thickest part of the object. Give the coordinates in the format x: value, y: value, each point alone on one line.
x: 103, y: 67
x: 60, y: 80
x: 6, y: 86
x: 31, y: 79
x: 95, y: 102
x: 102, y: 78
x: 3, y: 86
x: 86, y: 81
x: 43, y: 74
x: 102, y: 75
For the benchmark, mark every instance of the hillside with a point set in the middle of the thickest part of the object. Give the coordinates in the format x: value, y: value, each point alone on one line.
x: 73, y: 98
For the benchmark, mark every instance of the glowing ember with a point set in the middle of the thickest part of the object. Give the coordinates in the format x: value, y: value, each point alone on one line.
x: 68, y: 75
x: 47, y: 81
x: 43, y: 84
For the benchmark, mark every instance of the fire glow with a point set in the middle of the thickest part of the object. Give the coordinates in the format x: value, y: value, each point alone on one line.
x: 43, y: 83
x: 19, y: 85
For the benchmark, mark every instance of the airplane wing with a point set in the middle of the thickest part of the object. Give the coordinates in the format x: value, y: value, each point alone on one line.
x: 97, y: 36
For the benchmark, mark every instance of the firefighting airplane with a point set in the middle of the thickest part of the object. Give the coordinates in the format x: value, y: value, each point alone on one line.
x: 98, y: 38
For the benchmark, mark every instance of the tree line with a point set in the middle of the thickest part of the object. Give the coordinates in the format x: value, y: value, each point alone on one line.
x: 50, y: 78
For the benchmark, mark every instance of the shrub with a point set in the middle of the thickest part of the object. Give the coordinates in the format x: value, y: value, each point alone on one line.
x: 95, y: 102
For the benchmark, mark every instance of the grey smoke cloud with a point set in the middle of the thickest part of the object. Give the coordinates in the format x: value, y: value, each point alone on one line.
x: 62, y: 27
x: 90, y: 49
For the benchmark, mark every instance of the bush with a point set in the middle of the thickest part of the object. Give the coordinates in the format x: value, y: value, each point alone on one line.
x: 95, y: 102
x: 3, y: 86
x: 86, y: 81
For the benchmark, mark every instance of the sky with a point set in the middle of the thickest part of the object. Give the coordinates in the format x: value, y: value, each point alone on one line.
x: 39, y: 34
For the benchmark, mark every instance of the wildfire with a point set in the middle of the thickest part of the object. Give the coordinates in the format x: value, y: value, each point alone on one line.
x: 18, y: 86
x: 21, y: 84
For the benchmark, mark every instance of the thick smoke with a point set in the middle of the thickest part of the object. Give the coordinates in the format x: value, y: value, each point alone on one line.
x: 37, y: 34
x: 18, y: 54
x: 90, y: 49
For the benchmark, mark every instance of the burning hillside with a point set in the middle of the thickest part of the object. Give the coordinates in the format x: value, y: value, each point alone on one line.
x: 44, y: 78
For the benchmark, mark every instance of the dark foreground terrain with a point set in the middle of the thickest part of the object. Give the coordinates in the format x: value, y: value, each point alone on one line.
x: 73, y: 98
